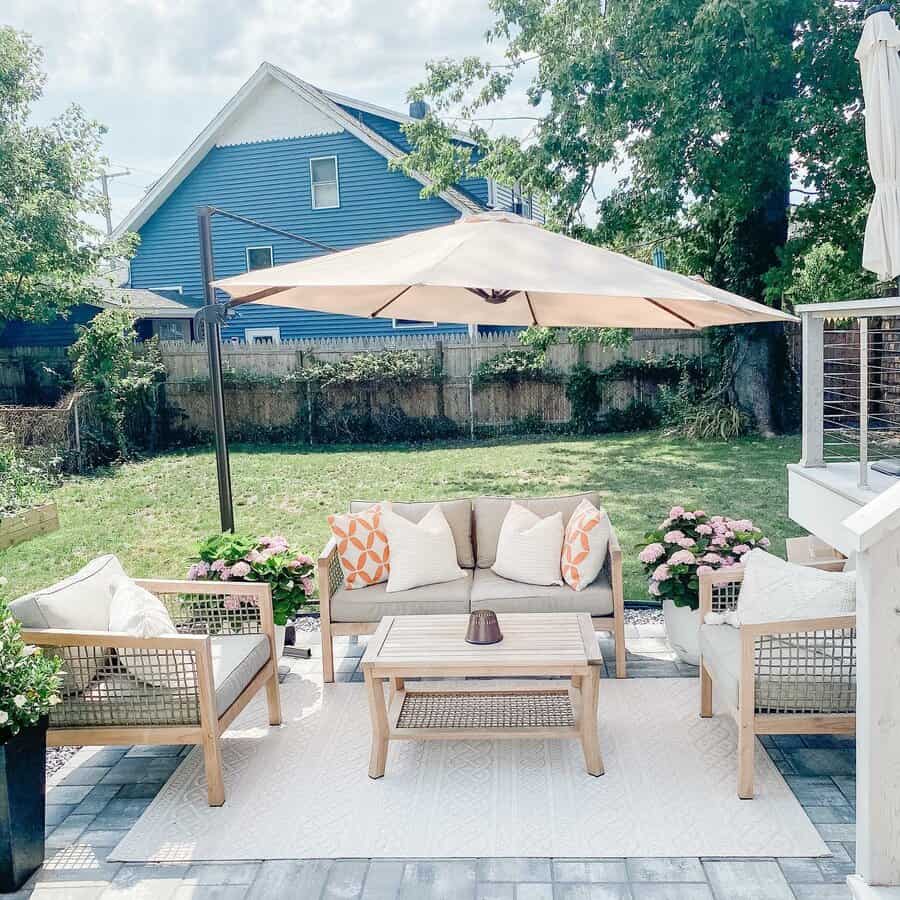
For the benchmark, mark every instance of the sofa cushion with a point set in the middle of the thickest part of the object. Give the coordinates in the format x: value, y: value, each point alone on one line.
x: 371, y: 603
x: 235, y: 661
x: 490, y: 591
x: 458, y: 514
x: 491, y: 511
x: 815, y: 681
x: 80, y: 602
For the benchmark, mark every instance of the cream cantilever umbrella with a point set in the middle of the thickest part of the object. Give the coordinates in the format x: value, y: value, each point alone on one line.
x: 879, y: 62
x: 496, y: 269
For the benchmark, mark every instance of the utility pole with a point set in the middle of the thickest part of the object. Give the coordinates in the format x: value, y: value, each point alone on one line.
x: 105, y: 178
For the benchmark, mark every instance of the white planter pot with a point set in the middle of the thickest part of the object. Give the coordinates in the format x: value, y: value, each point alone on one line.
x: 279, y: 641
x: 683, y: 631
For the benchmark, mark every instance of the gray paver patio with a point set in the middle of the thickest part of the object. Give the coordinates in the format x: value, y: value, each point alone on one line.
x: 93, y: 806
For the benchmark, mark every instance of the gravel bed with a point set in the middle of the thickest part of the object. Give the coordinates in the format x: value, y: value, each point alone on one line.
x: 643, y: 616
x: 57, y: 757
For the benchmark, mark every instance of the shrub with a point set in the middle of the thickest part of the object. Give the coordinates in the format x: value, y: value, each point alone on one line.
x: 26, y: 477
x: 584, y: 390
x: 688, y: 412
x: 29, y: 680
x: 636, y: 416
x: 387, y: 365
x: 234, y: 557
x: 513, y: 367
x: 688, y: 544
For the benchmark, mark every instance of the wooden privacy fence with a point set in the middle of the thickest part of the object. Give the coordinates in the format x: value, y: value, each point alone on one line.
x: 266, y: 394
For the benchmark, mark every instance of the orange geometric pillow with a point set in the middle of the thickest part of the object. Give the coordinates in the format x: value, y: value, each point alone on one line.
x: 585, y: 545
x: 362, y: 547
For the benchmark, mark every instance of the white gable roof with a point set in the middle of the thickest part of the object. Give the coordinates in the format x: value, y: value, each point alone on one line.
x: 272, y: 103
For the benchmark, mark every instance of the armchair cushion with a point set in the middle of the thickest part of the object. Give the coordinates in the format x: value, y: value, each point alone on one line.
x: 371, y: 603
x: 80, y: 603
x: 490, y: 591
x: 491, y: 511
x: 235, y: 661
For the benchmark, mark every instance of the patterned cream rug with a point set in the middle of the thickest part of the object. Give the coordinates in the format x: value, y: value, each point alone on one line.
x: 301, y: 791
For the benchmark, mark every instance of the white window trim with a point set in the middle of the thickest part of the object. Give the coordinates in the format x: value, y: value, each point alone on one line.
x: 417, y: 325
x: 260, y: 247
x: 251, y: 333
x: 337, y: 182
x: 169, y: 287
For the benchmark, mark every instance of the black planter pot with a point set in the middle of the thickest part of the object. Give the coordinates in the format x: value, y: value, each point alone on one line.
x: 23, y: 783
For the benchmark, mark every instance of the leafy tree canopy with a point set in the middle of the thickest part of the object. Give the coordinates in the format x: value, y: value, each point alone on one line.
x: 720, y: 116
x: 49, y: 255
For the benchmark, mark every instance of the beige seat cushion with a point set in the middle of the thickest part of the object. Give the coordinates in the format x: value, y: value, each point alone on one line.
x: 491, y: 511
x: 235, y: 660
x: 458, y: 514
x: 371, y: 603
x: 812, y: 677
x: 490, y: 591
x: 80, y: 602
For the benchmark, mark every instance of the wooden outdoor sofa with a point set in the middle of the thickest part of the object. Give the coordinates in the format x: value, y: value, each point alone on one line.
x: 794, y: 677
x: 188, y: 688
x: 475, y: 525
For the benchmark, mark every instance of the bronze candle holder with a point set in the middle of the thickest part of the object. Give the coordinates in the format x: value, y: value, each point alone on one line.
x: 483, y: 628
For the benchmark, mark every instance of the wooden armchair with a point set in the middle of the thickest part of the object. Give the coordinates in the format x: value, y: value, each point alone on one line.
x: 796, y: 677
x: 121, y: 689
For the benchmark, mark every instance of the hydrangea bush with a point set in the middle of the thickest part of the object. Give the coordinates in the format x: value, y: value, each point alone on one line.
x: 29, y: 680
x: 234, y: 557
x: 688, y: 544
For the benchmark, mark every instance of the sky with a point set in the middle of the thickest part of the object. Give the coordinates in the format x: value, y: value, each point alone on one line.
x: 154, y: 72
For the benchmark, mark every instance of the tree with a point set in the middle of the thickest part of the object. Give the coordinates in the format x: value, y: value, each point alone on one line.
x: 48, y: 253
x: 711, y: 109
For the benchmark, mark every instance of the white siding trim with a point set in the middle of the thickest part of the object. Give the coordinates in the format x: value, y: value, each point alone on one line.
x: 169, y: 287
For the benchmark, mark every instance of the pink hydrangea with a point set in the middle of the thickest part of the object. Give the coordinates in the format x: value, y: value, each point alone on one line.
x: 661, y: 573
x: 224, y: 573
x: 700, y: 513
x: 704, y: 529
x: 711, y: 558
x: 741, y: 549
x: 240, y: 570
x: 218, y: 565
x: 688, y: 516
x: 764, y: 542
x: 719, y: 541
x: 254, y: 556
x: 673, y: 537
x: 198, y: 570
x: 653, y: 589
x: 741, y: 525
x: 232, y: 603
x: 676, y: 512
x: 704, y: 570
x: 307, y: 585
x: 682, y: 558
x: 651, y: 553
x: 687, y: 543
x: 305, y: 560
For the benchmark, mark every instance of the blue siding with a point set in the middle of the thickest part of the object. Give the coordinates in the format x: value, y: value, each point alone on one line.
x: 61, y: 332
x: 269, y: 181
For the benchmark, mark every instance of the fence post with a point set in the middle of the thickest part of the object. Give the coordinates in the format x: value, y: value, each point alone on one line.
x: 471, y: 407
x: 439, y: 373
x: 309, y: 411
x: 78, y: 434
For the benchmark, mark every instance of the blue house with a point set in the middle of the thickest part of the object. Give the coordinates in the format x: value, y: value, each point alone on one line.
x: 305, y: 160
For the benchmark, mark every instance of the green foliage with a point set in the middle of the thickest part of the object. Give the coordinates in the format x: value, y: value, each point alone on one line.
x: 49, y: 255
x: 539, y: 338
x: 514, y: 366
x: 689, y: 411
x: 270, y: 560
x: 29, y: 680
x: 584, y: 390
x: 26, y: 477
x: 402, y: 366
x: 122, y: 376
x: 636, y: 416
x: 385, y: 425
x: 614, y: 338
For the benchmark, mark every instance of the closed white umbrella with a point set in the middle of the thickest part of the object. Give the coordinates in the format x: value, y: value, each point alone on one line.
x: 879, y: 62
x: 496, y: 269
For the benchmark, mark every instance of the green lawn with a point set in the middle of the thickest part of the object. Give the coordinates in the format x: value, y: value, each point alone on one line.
x: 152, y: 513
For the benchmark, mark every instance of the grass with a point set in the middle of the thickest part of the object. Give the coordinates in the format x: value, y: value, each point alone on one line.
x: 152, y: 513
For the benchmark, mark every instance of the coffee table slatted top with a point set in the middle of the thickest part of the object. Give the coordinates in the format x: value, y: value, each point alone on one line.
x: 533, y: 643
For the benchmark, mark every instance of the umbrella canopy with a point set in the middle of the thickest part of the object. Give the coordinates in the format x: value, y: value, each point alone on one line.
x: 496, y: 269
x: 879, y: 63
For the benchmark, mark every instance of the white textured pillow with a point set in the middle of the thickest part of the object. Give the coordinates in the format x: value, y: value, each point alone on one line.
x: 777, y: 591
x: 137, y: 612
x: 422, y: 552
x: 529, y: 548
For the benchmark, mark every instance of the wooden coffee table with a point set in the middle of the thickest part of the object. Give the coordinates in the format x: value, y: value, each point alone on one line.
x: 534, y: 644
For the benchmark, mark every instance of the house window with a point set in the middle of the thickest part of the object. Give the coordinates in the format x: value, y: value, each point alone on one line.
x: 174, y: 288
x: 323, y: 176
x: 262, y: 335
x: 171, y: 329
x: 413, y: 323
x: 259, y: 258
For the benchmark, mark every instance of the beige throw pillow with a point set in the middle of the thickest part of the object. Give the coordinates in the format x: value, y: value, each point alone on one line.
x: 530, y: 547
x: 137, y: 612
x: 422, y: 552
x: 777, y: 591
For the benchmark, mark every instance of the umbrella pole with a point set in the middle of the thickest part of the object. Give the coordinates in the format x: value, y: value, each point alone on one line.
x: 213, y: 316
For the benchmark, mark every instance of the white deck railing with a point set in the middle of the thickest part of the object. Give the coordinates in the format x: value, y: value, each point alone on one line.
x: 851, y: 383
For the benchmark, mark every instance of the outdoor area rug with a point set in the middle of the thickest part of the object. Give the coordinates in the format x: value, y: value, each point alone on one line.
x: 301, y: 791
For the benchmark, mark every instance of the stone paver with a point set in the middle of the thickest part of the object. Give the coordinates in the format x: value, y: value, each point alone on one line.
x: 95, y: 805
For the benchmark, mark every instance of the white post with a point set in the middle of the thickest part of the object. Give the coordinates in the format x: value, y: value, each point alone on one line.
x: 863, y: 402
x: 876, y: 531
x: 813, y: 391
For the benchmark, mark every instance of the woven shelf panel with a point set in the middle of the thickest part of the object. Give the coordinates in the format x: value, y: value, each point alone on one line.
x: 516, y: 709
x: 725, y: 596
